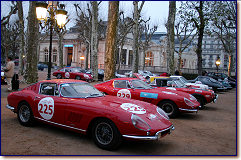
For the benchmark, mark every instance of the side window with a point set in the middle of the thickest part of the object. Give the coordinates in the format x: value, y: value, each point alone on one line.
x: 67, y: 70
x: 120, y: 84
x: 49, y: 89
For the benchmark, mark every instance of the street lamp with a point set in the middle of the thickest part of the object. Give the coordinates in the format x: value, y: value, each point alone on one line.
x: 218, y: 62
x: 56, y: 21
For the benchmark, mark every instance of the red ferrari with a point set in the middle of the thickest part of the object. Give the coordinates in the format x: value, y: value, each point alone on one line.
x: 202, y: 96
x: 73, y: 73
x: 78, y: 106
x: 172, y: 102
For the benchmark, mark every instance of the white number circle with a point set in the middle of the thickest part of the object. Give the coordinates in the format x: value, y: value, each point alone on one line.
x: 133, y: 108
x: 124, y: 93
x: 67, y: 75
x: 46, y: 108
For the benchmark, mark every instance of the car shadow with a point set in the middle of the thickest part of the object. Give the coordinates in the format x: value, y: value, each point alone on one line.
x: 189, y: 116
x: 208, y: 108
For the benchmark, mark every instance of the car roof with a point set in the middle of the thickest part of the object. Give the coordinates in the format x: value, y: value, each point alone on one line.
x: 60, y: 81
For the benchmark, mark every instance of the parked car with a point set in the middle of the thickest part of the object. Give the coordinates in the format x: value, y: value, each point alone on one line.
x: 77, y: 106
x: 223, y: 78
x: 216, y: 86
x: 145, y: 74
x: 195, y: 84
x: 100, y: 73
x: 41, y: 66
x: 73, y: 73
x: 172, y: 102
x: 202, y: 96
x: 117, y: 75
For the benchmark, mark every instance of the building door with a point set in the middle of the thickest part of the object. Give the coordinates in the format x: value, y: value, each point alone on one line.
x: 69, y: 56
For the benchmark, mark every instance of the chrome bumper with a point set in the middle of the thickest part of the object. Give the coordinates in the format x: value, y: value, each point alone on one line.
x: 215, y: 99
x: 155, y: 137
x: 188, y: 110
x: 10, y: 107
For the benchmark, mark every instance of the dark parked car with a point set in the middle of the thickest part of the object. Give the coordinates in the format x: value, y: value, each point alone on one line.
x: 216, y: 85
x: 223, y: 77
x: 41, y: 66
x: 100, y: 73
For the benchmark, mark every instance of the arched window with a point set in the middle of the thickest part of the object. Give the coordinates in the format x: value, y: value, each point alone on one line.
x: 149, y: 59
x: 54, y: 55
x: 46, y: 55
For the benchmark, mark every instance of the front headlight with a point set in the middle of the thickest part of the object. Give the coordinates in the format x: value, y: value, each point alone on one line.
x: 192, y: 97
x: 188, y: 102
x: 86, y: 76
x: 162, y: 113
x: 139, y: 123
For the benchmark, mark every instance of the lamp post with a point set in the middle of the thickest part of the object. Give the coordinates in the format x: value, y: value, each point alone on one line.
x: 218, y: 62
x: 56, y: 21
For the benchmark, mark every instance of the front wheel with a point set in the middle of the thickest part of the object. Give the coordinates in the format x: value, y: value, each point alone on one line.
x: 201, y: 101
x: 170, y: 108
x: 59, y: 76
x: 106, y: 135
x: 77, y: 77
x: 25, y: 115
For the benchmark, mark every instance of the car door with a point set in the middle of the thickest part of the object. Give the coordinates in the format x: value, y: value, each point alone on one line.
x: 48, y: 105
x: 122, y: 89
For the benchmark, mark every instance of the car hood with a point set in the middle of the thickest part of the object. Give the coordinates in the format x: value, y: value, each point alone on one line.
x: 169, y: 91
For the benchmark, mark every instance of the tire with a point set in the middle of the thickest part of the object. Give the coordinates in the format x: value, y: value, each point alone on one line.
x: 25, y: 115
x: 59, y: 76
x: 201, y: 101
x: 78, y: 78
x: 106, y: 135
x: 170, y: 108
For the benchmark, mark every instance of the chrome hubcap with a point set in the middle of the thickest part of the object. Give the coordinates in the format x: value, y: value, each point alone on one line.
x: 24, y: 113
x: 104, y: 133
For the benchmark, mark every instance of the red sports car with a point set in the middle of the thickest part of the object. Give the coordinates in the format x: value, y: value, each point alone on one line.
x: 78, y: 106
x: 172, y: 102
x: 73, y: 73
x: 202, y: 96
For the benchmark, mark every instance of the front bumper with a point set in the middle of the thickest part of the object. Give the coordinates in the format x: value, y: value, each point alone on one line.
x: 187, y: 110
x: 157, y: 136
x: 10, y: 107
x: 215, y: 99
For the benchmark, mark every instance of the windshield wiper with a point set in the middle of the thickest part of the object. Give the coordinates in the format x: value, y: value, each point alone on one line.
x: 93, y: 95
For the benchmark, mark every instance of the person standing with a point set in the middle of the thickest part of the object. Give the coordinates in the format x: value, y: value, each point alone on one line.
x: 9, y: 72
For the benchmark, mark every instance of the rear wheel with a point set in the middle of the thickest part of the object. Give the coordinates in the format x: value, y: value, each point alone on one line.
x: 59, y: 76
x: 77, y: 77
x: 170, y: 108
x: 106, y: 135
x: 25, y: 115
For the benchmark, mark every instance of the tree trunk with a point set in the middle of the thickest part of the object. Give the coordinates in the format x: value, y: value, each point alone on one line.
x: 110, y: 40
x: 21, y: 42
x: 31, y: 73
x: 200, y: 38
x: 171, y: 35
x: 94, y: 40
x: 144, y: 58
x: 135, y: 63
x: 87, y: 56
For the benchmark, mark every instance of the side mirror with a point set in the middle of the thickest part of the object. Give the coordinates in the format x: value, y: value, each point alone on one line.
x: 56, y: 93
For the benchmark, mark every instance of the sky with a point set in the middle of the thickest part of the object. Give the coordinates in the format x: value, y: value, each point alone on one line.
x: 156, y: 10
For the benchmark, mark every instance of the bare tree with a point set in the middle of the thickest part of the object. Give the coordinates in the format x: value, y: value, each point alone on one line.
x: 185, y: 36
x: 111, y: 40
x: 224, y: 20
x: 137, y: 11
x: 21, y: 34
x: 94, y: 40
x: 31, y: 74
x: 147, y: 35
x: 171, y: 35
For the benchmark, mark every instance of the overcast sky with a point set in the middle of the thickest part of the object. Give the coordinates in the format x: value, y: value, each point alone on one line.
x: 156, y: 10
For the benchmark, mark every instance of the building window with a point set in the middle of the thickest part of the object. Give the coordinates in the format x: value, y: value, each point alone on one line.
x: 123, y: 56
x: 54, y: 55
x: 130, y: 57
x: 46, y: 55
x: 149, y: 59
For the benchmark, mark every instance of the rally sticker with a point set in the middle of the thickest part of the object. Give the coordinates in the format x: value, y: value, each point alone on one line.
x: 124, y: 93
x: 46, y: 108
x: 67, y: 75
x: 133, y: 108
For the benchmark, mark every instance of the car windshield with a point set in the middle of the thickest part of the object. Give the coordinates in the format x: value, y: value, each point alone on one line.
x: 79, y: 90
x: 139, y: 84
x: 212, y: 80
x: 180, y: 84
x: 184, y: 80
